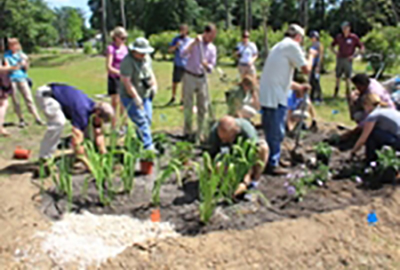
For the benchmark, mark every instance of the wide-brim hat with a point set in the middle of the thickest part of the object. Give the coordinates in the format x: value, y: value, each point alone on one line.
x: 141, y: 45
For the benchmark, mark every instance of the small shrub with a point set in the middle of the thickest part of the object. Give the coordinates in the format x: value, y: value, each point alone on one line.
x: 323, y: 152
x: 87, y: 48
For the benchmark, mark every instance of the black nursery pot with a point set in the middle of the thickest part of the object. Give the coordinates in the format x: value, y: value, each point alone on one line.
x: 388, y: 176
x: 324, y: 159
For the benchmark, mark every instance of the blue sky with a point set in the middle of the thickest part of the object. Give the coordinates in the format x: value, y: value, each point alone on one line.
x: 73, y: 3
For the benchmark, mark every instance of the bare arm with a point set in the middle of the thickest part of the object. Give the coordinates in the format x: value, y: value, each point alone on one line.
x: 109, y: 66
x: 130, y: 89
x: 308, y: 67
x: 99, y: 140
x: 367, y: 129
x: 77, y: 141
x: 173, y: 48
x: 256, y: 101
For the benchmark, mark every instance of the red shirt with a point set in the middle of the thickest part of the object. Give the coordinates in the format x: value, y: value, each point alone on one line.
x: 347, y: 45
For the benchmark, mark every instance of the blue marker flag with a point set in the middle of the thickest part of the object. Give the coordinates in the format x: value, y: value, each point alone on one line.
x: 335, y: 111
x: 372, y: 218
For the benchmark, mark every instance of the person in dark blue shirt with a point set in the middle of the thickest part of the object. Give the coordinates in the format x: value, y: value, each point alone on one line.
x: 60, y: 102
x: 176, y: 46
x: 316, y: 91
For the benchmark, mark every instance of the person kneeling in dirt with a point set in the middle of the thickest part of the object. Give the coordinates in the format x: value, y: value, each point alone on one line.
x: 299, y: 108
x: 243, y: 100
x: 60, y: 102
x: 226, y: 133
x: 365, y: 86
x: 381, y: 127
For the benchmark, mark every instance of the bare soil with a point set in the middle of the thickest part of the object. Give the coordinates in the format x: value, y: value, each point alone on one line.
x: 328, y: 230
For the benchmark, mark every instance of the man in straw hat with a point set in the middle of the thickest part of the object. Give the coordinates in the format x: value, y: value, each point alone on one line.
x: 276, y: 80
x: 202, y: 56
x: 138, y: 87
x: 60, y: 102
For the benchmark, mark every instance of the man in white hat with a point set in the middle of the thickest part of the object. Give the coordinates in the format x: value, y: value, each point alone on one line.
x: 275, y: 83
x: 60, y: 102
x: 138, y: 87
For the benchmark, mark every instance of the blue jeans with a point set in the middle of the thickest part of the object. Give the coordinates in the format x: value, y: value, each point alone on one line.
x: 142, y: 119
x: 376, y: 140
x: 273, y: 123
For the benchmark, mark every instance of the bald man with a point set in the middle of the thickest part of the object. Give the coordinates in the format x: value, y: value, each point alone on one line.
x: 226, y: 133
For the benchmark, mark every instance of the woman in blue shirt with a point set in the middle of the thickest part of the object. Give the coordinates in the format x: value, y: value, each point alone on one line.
x: 316, y: 92
x: 19, y: 80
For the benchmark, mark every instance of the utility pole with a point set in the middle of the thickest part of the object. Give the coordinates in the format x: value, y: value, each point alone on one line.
x: 123, y: 18
x: 104, y: 24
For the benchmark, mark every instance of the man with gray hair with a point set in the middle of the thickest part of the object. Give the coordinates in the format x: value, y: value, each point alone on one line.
x: 275, y: 83
x: 60, y: 102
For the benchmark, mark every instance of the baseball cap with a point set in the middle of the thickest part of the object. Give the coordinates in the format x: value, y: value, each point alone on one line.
x: 314, y: 34
x: 295, y: 29
x: 345, y: 24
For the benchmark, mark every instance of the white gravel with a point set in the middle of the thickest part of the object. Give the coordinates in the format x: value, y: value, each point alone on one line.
x: 89, y: 240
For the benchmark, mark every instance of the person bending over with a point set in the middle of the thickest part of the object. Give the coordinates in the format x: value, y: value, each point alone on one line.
x: 60, y: 102
x: 381, y: 127
x: 226, y: 133
x: 296, y: 105
x: 243, y: 100
x: 364, y: 86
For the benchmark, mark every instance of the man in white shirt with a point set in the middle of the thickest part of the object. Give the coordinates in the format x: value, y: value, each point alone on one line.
x: 275, y: 83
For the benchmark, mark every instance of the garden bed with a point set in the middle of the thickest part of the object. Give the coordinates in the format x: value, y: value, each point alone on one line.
x: 179, y: 206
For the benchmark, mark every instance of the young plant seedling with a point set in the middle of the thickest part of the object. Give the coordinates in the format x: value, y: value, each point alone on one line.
x: 323, y: 152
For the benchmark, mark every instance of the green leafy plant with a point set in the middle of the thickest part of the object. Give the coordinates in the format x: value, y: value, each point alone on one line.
x: 161, y: 142
x: 60, y: 175
x: 387, y: 158
x: 183, y: 151
x: 148, y: 155
x: 174, y: 167
x: 323, y: 152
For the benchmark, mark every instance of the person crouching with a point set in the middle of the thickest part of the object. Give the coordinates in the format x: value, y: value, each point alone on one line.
x: 60, y: 102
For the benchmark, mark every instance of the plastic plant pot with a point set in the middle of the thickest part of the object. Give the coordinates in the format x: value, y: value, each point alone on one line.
x: 146, y: 167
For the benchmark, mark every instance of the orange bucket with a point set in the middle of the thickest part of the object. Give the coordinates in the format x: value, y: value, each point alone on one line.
x: 146, y: 167
x: 155, y: 215
x: 21, y: 153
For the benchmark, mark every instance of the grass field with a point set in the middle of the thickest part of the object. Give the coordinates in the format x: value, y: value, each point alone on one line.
x: 88, y: 73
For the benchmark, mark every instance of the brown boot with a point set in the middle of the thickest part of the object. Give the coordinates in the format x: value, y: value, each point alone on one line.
x: 276, y: 171
x: 284, y: 163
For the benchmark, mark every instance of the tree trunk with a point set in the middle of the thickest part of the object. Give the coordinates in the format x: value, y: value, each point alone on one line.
x: 123, y: 18
x: 250, y: 23
x: 227, y: 24
x: 246, y: 12
x: 395, y: 14
x: 104, y: 25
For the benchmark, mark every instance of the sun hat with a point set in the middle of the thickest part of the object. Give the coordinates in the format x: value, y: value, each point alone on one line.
x: 141, y: 45
x: 119, y: 32
x: 295, y: 29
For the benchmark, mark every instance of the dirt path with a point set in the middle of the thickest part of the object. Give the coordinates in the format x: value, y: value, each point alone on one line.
x: 337, y: 240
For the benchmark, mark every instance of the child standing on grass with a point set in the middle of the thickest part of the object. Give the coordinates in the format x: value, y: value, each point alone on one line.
x: 19, y: 81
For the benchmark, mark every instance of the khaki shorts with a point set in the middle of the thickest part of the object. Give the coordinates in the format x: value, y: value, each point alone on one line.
x: 344, y: 66
x: 247, y: 70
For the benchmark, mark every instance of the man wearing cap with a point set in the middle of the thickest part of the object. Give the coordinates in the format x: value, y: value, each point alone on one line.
x: 347, y: 43
x: 138, y: 87
x: 275, y: 82
x: 176, y: 46
x: 202, y: 56
x: 60, y: 102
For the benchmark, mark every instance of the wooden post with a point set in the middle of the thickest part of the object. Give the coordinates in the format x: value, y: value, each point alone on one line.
x: 104, y: 24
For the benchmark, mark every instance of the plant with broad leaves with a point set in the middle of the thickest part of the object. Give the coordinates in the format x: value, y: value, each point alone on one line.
x: 387, y: 158
x: 323, y: 152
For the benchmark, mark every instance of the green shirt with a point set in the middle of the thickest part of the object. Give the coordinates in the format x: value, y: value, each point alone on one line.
x: 247, y: 132
x: 137, y: 70
x: 236, y: 98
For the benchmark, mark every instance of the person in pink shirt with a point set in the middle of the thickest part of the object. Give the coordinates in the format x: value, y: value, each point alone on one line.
x: 365, y: 85
x: 116, y: 52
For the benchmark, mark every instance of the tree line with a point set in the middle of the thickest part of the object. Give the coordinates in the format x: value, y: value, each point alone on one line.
x: 37, y: 25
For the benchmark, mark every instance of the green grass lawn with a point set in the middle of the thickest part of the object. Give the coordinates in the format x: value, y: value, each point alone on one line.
x: 88, y: 73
